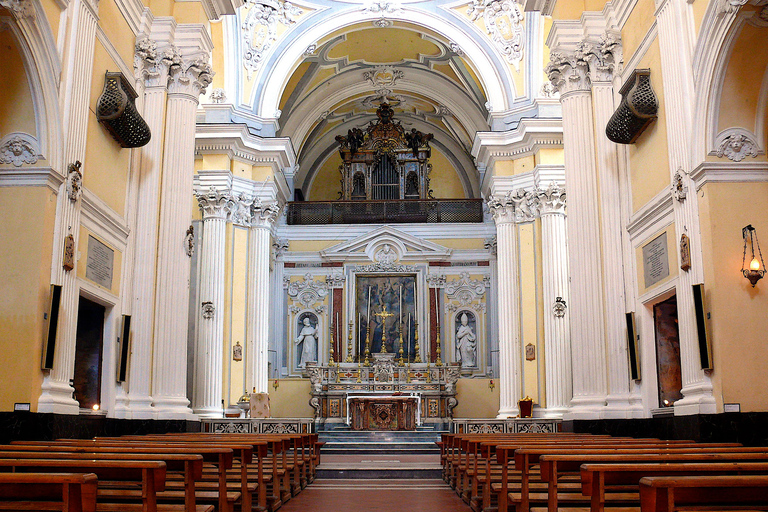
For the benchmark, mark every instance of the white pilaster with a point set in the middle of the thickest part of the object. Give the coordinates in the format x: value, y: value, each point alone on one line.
x: 188, y: 79
x: 259, y: 300
x: 209, y: 346
x: 508, y: 299
x: 57, y: 392
x: 557, y: 347
x: 603, y: 58
x: 568, y: 73
x: 675, y: 42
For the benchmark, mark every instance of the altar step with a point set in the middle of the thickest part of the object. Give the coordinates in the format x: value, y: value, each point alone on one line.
x: 380, y: 466
x: 342, y: 441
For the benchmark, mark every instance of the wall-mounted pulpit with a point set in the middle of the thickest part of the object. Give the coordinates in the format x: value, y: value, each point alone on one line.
x: 383, y: 412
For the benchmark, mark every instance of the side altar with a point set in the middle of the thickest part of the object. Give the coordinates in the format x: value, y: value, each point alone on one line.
x: 427, y: 391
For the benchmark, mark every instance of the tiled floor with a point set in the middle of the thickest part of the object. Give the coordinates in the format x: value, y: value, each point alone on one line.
x: 376, y: 496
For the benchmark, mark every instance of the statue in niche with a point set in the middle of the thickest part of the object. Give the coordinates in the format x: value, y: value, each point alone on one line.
x: 466, y: 343
x: 307, y: 339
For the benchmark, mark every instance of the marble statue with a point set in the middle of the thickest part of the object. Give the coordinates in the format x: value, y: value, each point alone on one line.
x: 465, y: 342
x: 307, y: 338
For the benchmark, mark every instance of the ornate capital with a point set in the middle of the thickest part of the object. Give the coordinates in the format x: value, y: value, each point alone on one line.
x: 603, y: 57
x: 190, y: 78
x: 152, y: 65
x: 490, y: 244
x: 280, y: 245
x: 264, y: 215
x: 19, y: 8
x: 516, y: 206
x: 568, y: 72
x: 730, y: 6
x: 214, y: 204
x: 551, y: 201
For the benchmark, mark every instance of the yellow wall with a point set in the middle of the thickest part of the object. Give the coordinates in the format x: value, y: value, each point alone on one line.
x: 105, y: 169
x: 112, y: 21
x: 460, y: 243
x: 739, y: 322
x: 290, y: 399
x: 311, y: 245
x: 443, y: 180
x: 476, y: 399
x: 529, y: 310
x: 217, y: 55
x: 53, y: 15
x: 572, y: 9
x: 327, y: 183
x: 649, y: 155
x: 26, y: 276
x: 637, y: 26
x: 237, y: 330
x: 82, y: 260
x: 17, y: 111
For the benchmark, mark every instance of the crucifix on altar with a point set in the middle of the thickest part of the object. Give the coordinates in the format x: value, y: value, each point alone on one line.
x: 384, y: 302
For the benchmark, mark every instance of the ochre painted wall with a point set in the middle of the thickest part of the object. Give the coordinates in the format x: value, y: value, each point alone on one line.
x: 649, y: 155
x: 739, y: 321
x: 637, y: 26
x: 238, y: 319
x: 290, y: 399
x: 528, y: 300
x: 476, y: 399
x: 25, y: 251
x: 17, y: 112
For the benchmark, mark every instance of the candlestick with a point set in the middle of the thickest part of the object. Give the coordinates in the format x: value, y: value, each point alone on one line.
x: 349, y: 345
x: 330, y: 345
x: 416, y: 348
x: 367, y: 344
x: 368, y: 314
x: 438, y: 362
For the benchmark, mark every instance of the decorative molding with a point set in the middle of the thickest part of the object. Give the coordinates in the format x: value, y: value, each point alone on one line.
x: 191, y: 77
x: 153, y: 66
x: 208, y: 310
x: 19, y: 148
x: 335, y: 280
x: 736, y: 144
x: 455, y: 48
x: 74, y: 181
x: 490, y: 244
x: 264, y: 215
x: 189, y: 241
x: 730, y: 6
x: 240, y: 210
x: 465, y: 290
x: 551, y: 200
x: 559, y: 307
x: 218, y: 95
x: 259, y: 29
x: 504, y: 23
x: 19, y: 8
x: 214, y: 205
x: 280, y: 245
x: 519, y: 204
x: 311, y: 49
x: 383, y: 76
x: 436, y: 280
x: 31, y: 177
x: 385, y: 267
x: 604, y: 57
x: 568, y: 71
x: 308, y: 292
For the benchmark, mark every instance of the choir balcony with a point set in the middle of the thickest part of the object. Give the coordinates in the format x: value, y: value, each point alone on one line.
x: 305, y: 213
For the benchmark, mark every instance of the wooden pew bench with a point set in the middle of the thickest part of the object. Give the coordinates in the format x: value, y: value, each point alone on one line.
x: 682, y: 493
x: 59, y: 492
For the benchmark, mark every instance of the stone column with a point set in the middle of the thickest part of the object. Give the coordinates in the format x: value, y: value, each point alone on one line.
x: 557, y: 347
x: 259, y: 300
x: 152, y: 70
x: 508, y: 300
x: 56, y: 396
x: 568, y: 73
x: 675, y: 43
x: 209, y: 346
x: 188, y: 79
x: 602, y: 58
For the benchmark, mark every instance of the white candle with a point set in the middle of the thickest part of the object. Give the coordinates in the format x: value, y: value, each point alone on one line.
x: 368, y: 316
x: 401, y: 306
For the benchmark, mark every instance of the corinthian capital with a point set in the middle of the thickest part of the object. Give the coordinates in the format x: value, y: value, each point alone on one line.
x: 19, y: 8
x: 603, y: 57
x: 153, y: 66
x: 214, y: 204
x: 190, y: 77
x: 515, y: 206
x: 551, y: 201
x: 264, y: 215
x: 568, y: 71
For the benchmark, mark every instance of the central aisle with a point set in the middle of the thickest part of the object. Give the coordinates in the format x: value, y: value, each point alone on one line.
x: 378, y: 495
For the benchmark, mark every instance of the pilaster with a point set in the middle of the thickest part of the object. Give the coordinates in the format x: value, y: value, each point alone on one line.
x: 555, y: 295
x: 568, y: 72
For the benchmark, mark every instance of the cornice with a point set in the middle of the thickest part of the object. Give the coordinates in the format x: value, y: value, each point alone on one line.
x: 729, y: 172
x: 655, y: 214
x: 525, y: 139
x: 31, y: 177
x: 108, y: 222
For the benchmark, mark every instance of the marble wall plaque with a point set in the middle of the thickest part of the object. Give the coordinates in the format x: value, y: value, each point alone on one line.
x: 100, y: 263
x: 655, y: 260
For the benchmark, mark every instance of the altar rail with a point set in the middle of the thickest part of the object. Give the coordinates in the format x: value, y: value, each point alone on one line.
x: 377, y: 212
x: 508, y: 426
x: 258, y: 425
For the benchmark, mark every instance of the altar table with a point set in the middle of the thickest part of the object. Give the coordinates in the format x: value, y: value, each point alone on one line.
x: 383, y: 412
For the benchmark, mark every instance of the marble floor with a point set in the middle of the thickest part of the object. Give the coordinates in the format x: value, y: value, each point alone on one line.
x: 376, y: 496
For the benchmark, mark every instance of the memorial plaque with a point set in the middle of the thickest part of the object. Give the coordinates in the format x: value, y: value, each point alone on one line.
x: 100, y: 263
x: 655, y: 260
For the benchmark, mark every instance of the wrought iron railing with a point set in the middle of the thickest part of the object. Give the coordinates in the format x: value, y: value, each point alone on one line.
x: 377, y: 212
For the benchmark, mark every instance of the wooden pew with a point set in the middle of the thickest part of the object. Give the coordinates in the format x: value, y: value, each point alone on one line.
x: 552, y: 466
x: 679, y: 493
x: 65, y: 492
x: 598, y: 479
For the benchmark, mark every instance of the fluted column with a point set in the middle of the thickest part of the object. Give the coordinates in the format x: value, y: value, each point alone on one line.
x: 152, y: 70
x: 187, y: 81
x: 602, y: 58
x: 568, y: 73
x: 555, y: 295
x: 508, y: 299
x: 57, y: 392
x: 259, y: 300
x: 209, y: 345
x: 674, y: 40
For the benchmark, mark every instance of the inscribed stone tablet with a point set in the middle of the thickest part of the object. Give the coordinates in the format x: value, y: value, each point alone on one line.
x: 100, y: 263
x: 655, y: 260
